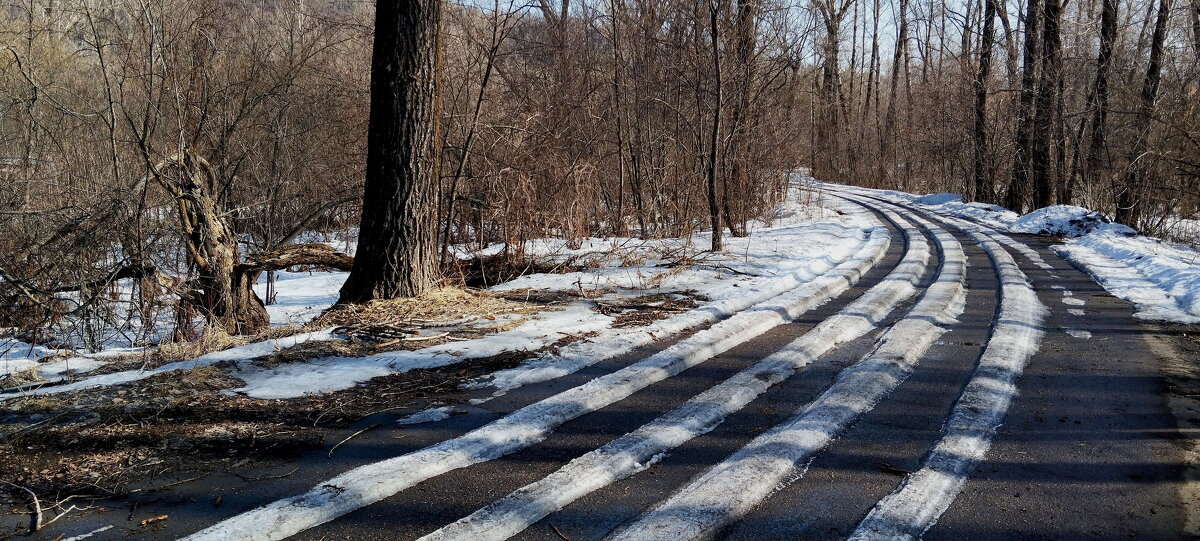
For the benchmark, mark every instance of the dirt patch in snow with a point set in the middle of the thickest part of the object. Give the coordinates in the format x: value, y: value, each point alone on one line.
x: 98, y: 442
x: 646, y: 309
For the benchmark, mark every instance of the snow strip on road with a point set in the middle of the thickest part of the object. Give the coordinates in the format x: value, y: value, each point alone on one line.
x: 772, y: 459
x: 918, y: 503
x: 639, y: 449
x: 367, y: 484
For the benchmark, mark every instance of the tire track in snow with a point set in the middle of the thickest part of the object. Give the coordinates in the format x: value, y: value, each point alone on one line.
x: 924, y: 495
x: 367, y: 484
x: 774, y: 458
x: 580, y: 355
x: 639, y: 449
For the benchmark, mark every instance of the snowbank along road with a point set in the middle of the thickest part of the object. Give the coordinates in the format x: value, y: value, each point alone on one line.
x: 945, y: 381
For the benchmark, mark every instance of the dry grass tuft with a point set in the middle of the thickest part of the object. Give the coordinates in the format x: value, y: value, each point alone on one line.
x: 447, y: 305
x: 20, y: 377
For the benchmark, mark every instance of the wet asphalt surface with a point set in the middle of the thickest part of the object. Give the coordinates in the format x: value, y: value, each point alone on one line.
x: 1090, y: 448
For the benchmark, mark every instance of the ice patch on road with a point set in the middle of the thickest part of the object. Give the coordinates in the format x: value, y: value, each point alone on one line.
x: 1083, y: 335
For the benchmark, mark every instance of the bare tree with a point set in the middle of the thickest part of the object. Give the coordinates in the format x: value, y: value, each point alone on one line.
x: 397, y: 251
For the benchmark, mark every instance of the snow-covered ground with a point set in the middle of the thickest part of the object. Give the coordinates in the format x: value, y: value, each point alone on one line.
x: 1161, y: 278
x: 797, y: 243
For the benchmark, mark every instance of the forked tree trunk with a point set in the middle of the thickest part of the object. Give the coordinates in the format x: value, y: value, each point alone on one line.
x: 221, y: 294
x: 397, y: 249
x: 223, y: 291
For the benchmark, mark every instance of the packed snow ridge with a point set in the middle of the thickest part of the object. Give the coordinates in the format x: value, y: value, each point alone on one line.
x: 966, y: 437
x: 799, y: 241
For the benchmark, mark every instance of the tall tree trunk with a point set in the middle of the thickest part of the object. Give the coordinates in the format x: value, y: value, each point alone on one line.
x: 1018, y: 188
x: 1097, y: 140
x: 899, y: 54
x: 397, y: 249
x: 829, y: 132
x: 740, y: 119
x: 1141, y: 165
x: 1046, y: 132
x: 984, y: 191
x: 714, y: 210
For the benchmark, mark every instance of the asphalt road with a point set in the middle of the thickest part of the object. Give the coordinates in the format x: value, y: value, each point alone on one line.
x: 1095, y: 444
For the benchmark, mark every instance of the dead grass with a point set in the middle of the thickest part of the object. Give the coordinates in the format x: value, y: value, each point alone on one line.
x: 646, y: 309
x: 445, y: 304
x: 20, y: 378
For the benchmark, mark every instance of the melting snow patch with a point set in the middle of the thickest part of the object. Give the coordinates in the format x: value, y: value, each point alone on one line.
x: 428, y: 416
x: 1065, y: 221
x: 1082, y: 335
x: 938, y: 199
x: 1075, y: 312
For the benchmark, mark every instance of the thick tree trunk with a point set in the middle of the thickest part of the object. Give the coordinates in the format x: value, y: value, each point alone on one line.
x: 397, y: 250
x: 737, y: 186
x: 1140, y: 162
x: 984, y: 191
x: 1018, y: 188
x: 1097, y: 141
x: 828, y: 130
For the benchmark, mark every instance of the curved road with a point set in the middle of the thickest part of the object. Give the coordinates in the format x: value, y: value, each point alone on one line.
x: 959, y: 384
